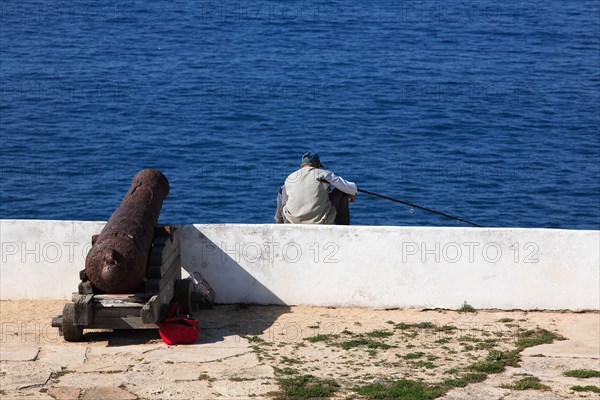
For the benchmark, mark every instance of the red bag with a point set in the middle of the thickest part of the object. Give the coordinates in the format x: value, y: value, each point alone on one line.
x: 178, y: 330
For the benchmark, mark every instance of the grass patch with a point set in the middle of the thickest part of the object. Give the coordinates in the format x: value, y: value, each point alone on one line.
x: 254, y: 339
x: 487, y: 344
x: 510, y: 358
x: 535, y: 337
x: 466, y: 308
x: 468, y: 339
x: 505, y: 320
x: 496, y: 362
x: 446, y: 329
x: 582, y: 373
x: 420, y: 325
x: 306, y: 387
x: 287, y: 360
x: 57, y: 374
x: 204, y: 377
x: 422, y: 364
x: 588, y: 388
x: 364, y: 342
x: 412, y: 356
x: 321, y: 338
x: 401, y: 389
x: 285, y: 371
x: 382, y: 333
x: 465, y: 379
x: 527, y: 383
x: 240, y: 379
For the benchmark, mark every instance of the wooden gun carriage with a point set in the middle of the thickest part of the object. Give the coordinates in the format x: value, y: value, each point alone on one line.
x: 142, y: 309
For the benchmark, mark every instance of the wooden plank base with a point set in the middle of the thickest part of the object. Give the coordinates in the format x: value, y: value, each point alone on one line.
x: 134, y: 310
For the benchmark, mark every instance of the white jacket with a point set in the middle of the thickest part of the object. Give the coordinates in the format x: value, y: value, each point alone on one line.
x: 308, y: 195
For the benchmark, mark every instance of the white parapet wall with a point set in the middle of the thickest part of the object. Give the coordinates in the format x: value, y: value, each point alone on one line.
x: 41, y: 259
x: 366, y: 266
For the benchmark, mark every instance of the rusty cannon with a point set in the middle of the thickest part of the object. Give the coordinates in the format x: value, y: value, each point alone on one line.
x: 117, y: 261
x: 133, y: 270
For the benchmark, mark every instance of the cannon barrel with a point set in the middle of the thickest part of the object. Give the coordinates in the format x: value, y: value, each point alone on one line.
x: 117, y: 261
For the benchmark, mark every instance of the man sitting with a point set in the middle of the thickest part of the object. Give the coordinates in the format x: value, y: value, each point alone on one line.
x: 306, y: 198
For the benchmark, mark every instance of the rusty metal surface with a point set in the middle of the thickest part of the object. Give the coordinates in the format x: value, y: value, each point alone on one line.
x: 117, y: 261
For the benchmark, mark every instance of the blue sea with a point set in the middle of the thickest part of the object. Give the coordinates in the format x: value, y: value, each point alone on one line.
x: 485, y: 110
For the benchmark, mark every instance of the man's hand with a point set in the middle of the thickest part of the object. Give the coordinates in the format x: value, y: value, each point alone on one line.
x: 351, y: 197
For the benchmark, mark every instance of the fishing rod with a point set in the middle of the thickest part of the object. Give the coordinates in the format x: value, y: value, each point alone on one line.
x: 422, y: 208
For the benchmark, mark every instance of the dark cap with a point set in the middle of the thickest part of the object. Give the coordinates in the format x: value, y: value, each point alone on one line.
x: 311, y: 157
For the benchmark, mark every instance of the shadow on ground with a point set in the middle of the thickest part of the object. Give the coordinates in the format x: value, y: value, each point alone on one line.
x: 229, y: 321
x: 123, y: 337
x: 220, y: 323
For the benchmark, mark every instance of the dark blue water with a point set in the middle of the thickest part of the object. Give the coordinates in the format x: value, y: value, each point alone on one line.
x: 486, y: 110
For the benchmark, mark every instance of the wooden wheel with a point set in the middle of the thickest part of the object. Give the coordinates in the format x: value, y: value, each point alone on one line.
x: 71, y: 332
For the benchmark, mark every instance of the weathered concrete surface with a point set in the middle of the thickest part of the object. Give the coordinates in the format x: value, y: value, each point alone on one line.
x: 55, y: 355
x: 18, y: 352
x: 64, y: 393
x: 385, y: 267
x: 107, y: 392
x: 20, y: 377
x: 231, y: 346
x: 240, y: 348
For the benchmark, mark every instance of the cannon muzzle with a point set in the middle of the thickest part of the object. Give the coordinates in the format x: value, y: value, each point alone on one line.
x: 117, y: 261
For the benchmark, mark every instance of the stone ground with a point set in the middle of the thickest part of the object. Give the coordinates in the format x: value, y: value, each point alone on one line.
x: 243, y: 350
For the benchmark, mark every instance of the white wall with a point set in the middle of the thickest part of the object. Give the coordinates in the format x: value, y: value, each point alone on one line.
x: 338, y: 266
x: 397, y: 266
x: 42, y: 259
